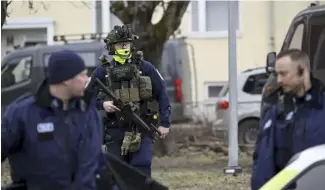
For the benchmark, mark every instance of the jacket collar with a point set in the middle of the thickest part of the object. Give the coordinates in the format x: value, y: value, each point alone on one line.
x: 314, y: 97
x: 46, y: 100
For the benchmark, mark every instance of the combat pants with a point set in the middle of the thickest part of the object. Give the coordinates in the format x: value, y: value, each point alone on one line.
x: 140, y: 160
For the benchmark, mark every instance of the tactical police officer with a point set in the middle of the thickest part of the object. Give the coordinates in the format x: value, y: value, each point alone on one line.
x: 53, y: 138
x: 292, y: 124
x: 135, y: 80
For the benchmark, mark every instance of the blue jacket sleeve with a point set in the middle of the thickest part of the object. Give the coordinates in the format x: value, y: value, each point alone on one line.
x: 11, y: 131
x: 256, y: 179
x: 90, y: 151
x: 99, y: 73
x: 159, y: 90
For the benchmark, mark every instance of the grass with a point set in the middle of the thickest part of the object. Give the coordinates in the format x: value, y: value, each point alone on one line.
x: 198, y: 171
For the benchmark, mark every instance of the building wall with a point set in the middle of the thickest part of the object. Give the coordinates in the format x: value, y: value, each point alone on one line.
x: 253, y: 41
x: 70, y: 17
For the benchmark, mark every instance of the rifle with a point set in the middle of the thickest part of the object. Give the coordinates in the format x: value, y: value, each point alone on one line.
x: 128, y: 110
x: 125, y: 176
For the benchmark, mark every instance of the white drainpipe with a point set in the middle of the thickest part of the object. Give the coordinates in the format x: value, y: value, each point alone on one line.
x: 271, y: 27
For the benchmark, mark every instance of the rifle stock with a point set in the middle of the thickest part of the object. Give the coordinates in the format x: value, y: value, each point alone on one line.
x: 129, y: 110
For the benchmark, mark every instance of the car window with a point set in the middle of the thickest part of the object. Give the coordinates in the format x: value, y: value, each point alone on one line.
x: 297, y: 37
x: 319, y: 59
x: 313, y: 178
x: 88, y: 57
x: 16, y: 71
x: 255, y: 83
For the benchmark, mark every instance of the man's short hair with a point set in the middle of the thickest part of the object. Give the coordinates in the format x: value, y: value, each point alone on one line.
x: 296, y: 55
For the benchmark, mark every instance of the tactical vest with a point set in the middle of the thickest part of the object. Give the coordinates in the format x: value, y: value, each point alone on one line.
x: 128, y: 83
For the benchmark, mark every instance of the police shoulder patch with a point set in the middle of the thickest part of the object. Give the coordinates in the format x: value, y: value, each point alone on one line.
x: 45, y: 127
x: 267, y: 124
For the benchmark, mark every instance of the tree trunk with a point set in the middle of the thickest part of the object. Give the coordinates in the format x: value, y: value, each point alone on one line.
x: 166, y: 146
x: 4, y: 5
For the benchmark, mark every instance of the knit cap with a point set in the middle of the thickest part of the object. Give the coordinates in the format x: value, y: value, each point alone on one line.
x: 64, y: 65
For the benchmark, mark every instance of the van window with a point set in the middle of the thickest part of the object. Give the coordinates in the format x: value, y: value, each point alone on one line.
x: 297, y: 37
x: 311, y: 179
x: 16, y: 71
x: 255, y: 83
x: 88, y: 57
x: 319, y: 58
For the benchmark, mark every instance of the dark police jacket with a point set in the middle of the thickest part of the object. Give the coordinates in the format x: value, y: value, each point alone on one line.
x: 159, y: 90
x: 49, y: 148
x: 280, y: 137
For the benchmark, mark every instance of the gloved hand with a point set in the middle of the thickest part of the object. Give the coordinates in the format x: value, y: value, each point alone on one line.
x: 135, y: 142
x: 126, y: 143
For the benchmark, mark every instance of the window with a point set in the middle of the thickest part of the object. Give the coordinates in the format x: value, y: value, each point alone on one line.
x: 313, y: 178
x: 212, y: 90
x: 319, y: 59
x: 297, y: 38
x: 34, y: 43
x: 88, y: 57
x: 255, y: 83
x: 16, y: 71
x: 210, y: 18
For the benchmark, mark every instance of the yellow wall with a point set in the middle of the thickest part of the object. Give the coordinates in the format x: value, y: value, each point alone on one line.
x: 71, y: 17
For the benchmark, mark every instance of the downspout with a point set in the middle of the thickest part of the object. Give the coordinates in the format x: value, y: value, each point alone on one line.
x: 271, y: 27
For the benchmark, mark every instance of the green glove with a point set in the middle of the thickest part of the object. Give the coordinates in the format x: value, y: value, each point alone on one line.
x: 135, y: 142
x: 126, y: 143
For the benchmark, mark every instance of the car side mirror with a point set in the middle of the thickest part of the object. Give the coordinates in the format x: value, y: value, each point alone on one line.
x: 270, y: 62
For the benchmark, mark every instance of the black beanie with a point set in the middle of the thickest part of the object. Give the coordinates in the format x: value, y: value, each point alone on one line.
x: 64, y: 65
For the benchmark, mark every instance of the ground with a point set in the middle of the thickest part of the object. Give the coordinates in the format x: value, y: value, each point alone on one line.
x: 196, y: 171
x: 191, y: 170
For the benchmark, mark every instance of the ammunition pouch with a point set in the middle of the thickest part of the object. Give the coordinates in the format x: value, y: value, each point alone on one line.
x: 122, y: 73
x: 127, y: 91
x: 145, y: 88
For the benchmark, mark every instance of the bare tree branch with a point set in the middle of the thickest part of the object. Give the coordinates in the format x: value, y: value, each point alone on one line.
x: 172, y: 18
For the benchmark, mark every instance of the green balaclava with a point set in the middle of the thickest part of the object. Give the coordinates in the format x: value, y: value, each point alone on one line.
x: 121, y: 55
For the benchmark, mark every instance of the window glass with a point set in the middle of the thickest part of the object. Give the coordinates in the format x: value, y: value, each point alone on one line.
x: 215, y: 15
x: 255, y: 83
x: 16, y: 71
x: 218, y: 10
x: 297, y: 38
x: 214, y: 91
x: 88, y: 57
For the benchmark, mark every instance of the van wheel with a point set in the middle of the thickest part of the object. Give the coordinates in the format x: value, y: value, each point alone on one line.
x: 248, y: 131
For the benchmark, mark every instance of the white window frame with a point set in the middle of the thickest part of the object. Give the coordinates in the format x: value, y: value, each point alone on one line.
x: 206, y: 90
x: 202, y: 33
x: 29, y: 23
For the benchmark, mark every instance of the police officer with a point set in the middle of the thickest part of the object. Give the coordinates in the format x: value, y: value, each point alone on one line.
x: 133, y: 80
x: 294, y: 123
x: 53, y: 138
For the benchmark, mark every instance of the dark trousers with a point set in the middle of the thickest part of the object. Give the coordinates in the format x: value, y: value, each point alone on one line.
x: 140, y: 160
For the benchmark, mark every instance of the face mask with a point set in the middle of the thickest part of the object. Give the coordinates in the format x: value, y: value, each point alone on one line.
x: 121, y: 55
